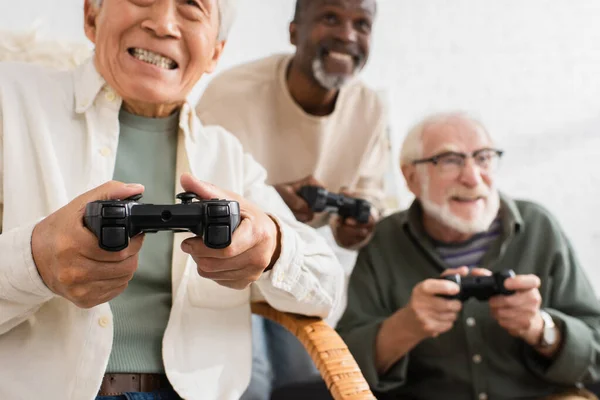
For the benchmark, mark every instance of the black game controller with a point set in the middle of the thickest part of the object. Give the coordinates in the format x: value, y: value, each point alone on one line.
x: 115, y: 221
x: 480, y: 287
x: 320, y: 199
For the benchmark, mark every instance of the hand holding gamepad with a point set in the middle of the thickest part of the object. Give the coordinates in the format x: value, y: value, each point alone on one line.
x: 319, y: 199
x: 519, y: 314
x: 68, y: 258
x: 348, y: 232
x: 299, y: 206
x: 429, y: 315
x: 255, y: 247
x: 514, y: 300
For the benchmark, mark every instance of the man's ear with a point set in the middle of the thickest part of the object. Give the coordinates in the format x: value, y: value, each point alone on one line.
x: 217, y: 52
x: 90, y: 13
x: 412, y: 178
x: 293, y: 33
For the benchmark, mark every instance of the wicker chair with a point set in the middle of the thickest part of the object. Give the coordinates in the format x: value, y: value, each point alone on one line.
x: 327, y: 350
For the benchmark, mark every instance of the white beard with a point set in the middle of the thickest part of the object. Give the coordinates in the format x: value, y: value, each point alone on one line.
x: 329, y: 81
x: 443, y: 214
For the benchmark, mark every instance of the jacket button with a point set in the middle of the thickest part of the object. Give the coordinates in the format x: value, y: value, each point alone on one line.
x: 104, y: 322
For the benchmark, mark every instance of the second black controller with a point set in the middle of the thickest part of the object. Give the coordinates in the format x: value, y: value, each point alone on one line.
x: 114, y: 222
x: 480, y: 287
x: 320, y: 199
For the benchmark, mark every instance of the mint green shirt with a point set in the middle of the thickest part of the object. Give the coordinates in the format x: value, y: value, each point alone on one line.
x: 476, y: 358
x: 146, y: 154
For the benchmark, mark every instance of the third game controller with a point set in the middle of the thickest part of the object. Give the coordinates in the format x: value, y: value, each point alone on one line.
x: 319, y: 199
x: 480, y: 287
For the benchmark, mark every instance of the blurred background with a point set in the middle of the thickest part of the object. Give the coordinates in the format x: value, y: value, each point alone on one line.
x: 530, y: 70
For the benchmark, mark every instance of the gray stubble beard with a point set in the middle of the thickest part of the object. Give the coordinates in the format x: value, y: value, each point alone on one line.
x: 330, y: 81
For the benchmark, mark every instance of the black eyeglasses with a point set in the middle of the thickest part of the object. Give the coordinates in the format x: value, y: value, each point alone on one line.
x: 450, y: 161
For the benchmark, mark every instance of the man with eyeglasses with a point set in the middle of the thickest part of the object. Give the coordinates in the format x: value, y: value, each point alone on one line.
x: 413, y: 341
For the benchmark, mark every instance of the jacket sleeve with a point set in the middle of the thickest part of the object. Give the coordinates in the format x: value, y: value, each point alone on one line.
x: 307, y: 278
x: 575, y: 308
x: 22, y: 290
x: 362, y: 320
x: 370, y: 185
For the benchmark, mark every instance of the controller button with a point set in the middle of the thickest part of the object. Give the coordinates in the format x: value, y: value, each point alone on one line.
x: 114, y: 236
x: 135, y: 197
x: 217, y: 235
x: 113, y: 212
x: 218, y: 211
x: 186, y: 197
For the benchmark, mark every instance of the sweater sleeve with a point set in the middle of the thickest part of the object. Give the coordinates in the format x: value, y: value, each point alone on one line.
x: 576, y: 311
x: 370, y: 185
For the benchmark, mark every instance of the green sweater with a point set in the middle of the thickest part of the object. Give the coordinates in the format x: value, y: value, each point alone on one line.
x: 146, y: 154
x: 477, y: 359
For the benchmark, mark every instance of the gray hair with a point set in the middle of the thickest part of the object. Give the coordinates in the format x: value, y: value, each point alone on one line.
x: 412, y: 146
x: 227, y: 13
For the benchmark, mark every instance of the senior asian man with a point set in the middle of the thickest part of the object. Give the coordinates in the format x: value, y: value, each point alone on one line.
x: 167, y: 317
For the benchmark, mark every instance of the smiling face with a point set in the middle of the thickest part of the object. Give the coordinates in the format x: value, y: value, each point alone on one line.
x: 154, y: 51
x: 332, y: 39
x: 463, y: 200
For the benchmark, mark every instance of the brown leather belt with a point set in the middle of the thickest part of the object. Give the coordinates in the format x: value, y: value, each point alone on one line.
x: 117, y: 384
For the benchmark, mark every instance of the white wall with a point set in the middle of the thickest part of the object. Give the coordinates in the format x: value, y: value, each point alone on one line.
x: 529, y: 69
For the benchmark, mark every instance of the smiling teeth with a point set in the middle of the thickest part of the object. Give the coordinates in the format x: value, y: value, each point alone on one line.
x: 340, y: 56
x: 154, y: 59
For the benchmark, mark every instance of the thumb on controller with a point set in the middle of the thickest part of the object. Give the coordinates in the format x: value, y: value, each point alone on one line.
x: 112, y: 190
x: 205, y: 190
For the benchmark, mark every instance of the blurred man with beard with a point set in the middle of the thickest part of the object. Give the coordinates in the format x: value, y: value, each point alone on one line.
x: 308, y: 120
x: 306, y: 117
x: 541, y: 342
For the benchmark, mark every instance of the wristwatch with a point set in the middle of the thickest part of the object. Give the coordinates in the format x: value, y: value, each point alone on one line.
x: 549, y: 335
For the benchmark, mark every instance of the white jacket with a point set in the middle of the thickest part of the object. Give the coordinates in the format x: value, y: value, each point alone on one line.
x: 58, y: 139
